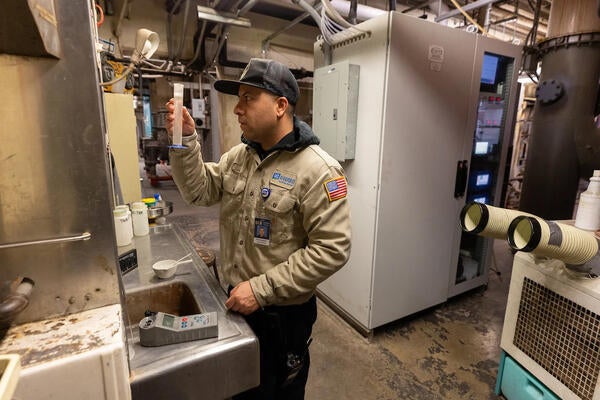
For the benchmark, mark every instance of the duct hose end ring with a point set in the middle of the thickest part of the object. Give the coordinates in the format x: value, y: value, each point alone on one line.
x: 524, y: 233
x: 483, y: 214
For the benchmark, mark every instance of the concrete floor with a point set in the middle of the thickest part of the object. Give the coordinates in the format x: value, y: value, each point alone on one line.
x: 450, y: 351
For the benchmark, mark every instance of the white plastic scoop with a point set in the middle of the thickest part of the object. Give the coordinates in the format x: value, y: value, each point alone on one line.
x: 166, y: 268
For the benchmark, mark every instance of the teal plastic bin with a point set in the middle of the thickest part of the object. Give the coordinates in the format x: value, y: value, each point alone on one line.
x: 516, y: 383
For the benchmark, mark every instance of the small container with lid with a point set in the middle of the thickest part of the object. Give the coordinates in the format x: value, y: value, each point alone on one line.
x: 588, y: 211
x: 139, y: 213
x: 123, y: 225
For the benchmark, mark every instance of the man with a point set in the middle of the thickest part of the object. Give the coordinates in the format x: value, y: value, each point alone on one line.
x: 284, y: 219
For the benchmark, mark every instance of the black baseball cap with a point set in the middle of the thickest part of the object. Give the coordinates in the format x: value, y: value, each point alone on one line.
x: 265, y: 74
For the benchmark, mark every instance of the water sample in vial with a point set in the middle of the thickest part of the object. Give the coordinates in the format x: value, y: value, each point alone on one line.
x: 178, y: 114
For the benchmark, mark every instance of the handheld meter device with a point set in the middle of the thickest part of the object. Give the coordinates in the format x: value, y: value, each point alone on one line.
x: 159, y: 329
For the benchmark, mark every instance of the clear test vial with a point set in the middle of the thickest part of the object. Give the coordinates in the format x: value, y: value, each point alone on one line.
x: 139, y: 215
x: 123, y: 225
x: 178, y: 116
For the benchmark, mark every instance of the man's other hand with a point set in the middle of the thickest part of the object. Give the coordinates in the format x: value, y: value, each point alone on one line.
x: 241, y: 299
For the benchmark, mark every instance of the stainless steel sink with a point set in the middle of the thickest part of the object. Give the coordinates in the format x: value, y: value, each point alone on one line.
x: 214, y: 368
x: 172, y: 298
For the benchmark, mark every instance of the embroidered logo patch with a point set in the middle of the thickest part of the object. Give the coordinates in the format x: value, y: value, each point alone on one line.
x: 285, y: 180
x: 336, y: 188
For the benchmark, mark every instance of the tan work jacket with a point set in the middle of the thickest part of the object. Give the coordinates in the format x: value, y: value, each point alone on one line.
x: 285, y: 197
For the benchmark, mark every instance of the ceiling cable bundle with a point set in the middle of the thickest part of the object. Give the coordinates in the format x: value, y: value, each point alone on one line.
x: 333, y: 26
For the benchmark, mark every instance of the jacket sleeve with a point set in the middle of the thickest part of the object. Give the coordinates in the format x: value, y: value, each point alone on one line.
x: 199, y: 183
x: 327, y: 224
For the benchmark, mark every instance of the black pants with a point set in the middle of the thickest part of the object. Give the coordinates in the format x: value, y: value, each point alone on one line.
x: 281, y: 330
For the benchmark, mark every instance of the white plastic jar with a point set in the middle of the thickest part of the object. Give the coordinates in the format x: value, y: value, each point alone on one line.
x: 588, y: 211
x: 139, y: 213
x: 123, y: 225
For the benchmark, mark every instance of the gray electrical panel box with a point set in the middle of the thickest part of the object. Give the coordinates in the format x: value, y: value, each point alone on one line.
x: 335, y: 106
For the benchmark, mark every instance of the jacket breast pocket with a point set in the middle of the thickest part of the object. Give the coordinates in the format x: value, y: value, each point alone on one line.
x: 281, y: 210
x: 233, y: 193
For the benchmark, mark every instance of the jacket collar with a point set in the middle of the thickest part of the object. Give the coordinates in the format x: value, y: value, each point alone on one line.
x: 302, y: 136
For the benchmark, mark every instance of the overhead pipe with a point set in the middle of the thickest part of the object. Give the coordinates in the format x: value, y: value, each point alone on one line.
x: 310, y: 10
x: 199, y: 45
x: 327, y: 52
x: 117, y: 30
x: 440, y: 5
x: 466, y: 7
x: 170, y: 29
x: 267, y: 41
x: 183, y: 30
x: 226, y: 62
x: 422, y: 3
x: 363, y: 12
x: 242, y: 11
x: 225, y: 31
x: 577, y: 248
x: 221, y: 43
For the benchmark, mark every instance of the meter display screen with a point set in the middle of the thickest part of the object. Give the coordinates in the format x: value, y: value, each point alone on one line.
x: 168, y: 320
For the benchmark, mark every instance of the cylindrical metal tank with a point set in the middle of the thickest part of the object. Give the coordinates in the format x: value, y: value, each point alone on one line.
x: 572, y: 16
x: 564, y: 143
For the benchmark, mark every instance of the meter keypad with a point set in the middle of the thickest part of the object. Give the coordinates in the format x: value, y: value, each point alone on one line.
x: 161, y: 328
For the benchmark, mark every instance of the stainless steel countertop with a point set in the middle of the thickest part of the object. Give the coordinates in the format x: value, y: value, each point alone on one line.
x: 213, y: 368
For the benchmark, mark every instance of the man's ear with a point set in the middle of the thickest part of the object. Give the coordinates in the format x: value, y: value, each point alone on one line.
x: 282, y: 106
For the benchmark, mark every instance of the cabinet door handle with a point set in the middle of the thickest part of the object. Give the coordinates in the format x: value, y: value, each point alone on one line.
x: 460, y: 184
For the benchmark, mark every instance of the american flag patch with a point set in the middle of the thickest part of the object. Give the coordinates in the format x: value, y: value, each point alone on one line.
x: 336, y: 188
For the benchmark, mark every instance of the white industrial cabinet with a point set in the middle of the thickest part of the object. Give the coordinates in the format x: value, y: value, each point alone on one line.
x: 423, y: 112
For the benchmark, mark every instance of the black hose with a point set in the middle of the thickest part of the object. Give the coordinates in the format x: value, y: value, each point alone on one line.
x: 170, y: 29
x: 392, y: 5
x: 536, y: 21
x: 352, y: 12
x: 183, y: 30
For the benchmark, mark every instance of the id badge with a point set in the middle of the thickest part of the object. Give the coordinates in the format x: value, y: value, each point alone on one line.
x: 262, y: 231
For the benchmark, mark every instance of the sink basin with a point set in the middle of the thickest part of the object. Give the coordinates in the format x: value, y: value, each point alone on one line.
x: 211, y: 368
x: 172, y: 298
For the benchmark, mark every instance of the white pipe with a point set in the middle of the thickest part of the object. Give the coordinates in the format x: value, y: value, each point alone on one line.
x: 362, y: 12
x: 310, y: 10
x: 117, y: 30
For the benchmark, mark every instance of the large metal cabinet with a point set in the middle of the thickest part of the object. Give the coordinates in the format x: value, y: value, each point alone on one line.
x: 419, y: 102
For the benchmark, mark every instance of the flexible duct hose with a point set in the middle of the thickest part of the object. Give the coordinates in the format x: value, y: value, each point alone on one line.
x: 484, y: 220
x: 577, y: 248
x: 567, y: 243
